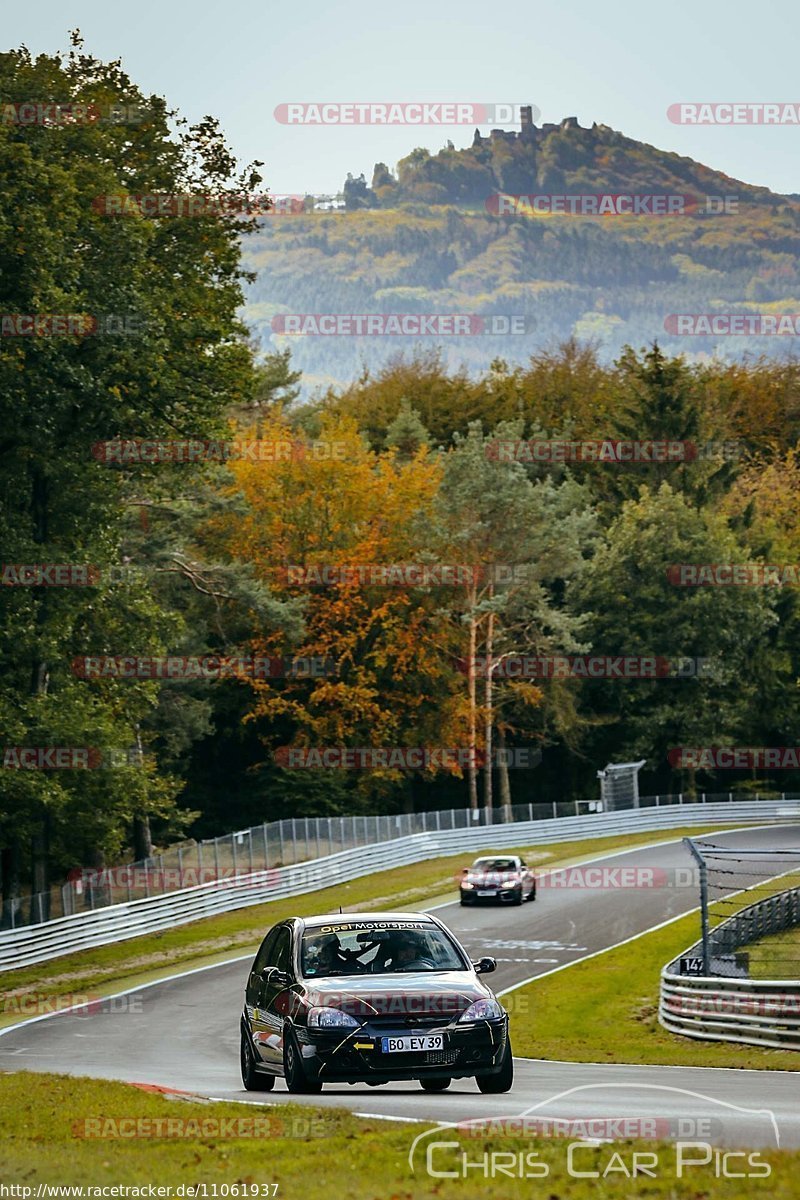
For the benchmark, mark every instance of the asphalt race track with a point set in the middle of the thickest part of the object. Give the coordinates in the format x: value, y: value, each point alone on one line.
x: 183, y: 1033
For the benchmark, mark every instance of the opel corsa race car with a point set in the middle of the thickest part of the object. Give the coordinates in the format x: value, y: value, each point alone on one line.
x: 371, y: 998
x: 497, y: 877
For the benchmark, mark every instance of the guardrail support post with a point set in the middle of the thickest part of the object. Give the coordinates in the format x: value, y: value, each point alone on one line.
x: 701, y: 862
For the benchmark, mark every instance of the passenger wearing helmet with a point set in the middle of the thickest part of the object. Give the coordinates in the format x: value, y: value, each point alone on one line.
x: 328, y: 958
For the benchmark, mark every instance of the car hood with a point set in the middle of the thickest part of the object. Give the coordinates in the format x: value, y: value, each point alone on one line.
x: 491, y: 877
x: 443, y: 994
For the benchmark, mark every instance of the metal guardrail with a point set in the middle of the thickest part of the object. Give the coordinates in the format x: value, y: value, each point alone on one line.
x: 286, y: 842
x: 87, y: 930
x: 757, y: 1012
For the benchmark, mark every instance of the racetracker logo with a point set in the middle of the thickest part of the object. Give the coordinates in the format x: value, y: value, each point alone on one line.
x: 410, y: 112
x: 48, y: 575
x: 400, y: 758
x: 598, y: 450
x: 735, y: 758
x: 136, y: 451
x: 733, y: 324
x: 210, y: 667
x: 734, y: 574
x: 402, y: 575
x: 70, y: 325
x: 68, y: 758
x: 597, y: 204
x: 78, y: 1004
x: 131, y: 1128
x: 734, y: 113
x: 46, y: 113
x: 587, y: 666
x: 402, y: 325
x: 601, y: 878
x: 195, y: 204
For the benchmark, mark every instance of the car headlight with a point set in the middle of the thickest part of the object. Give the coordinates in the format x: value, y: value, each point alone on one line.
x: 330, y: 1018
x: 467, y: 883
x: 482, y: 1010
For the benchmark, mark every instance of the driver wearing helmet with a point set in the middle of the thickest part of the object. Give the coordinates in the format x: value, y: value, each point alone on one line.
x: 409, y: 948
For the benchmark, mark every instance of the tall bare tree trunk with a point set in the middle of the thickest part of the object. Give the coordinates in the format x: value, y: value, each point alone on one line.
x: 502, y: 774
x: 489, y: 726
x: 472, y: 771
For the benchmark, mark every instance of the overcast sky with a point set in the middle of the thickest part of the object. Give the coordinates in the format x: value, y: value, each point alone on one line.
x: 619, y: 63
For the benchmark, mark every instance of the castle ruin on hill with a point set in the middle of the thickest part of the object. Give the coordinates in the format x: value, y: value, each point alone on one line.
x: 528, y: 132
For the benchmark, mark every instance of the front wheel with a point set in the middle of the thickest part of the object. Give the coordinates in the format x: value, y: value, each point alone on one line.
x: 517, y: 898
x: 490, y: 1085
x: 435, y: 1085
x: 252, y: 1081
x: 296, y: 1079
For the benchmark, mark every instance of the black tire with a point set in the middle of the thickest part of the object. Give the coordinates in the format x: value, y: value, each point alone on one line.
x: 296, y: 1079
x: 435, y: 1085
x: 517, y: 898
x: 252, y: 1079
x: 491, y: 1085
x: 532, y: 894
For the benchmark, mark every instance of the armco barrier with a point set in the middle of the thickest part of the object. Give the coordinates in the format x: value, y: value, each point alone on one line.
x: 86, y: 930
x: 758, y: 1012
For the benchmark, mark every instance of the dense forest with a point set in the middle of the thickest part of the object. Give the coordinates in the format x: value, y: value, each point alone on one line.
x: 191, y: 552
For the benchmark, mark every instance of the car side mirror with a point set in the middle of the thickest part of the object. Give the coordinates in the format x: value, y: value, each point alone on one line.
x: 485, y: 966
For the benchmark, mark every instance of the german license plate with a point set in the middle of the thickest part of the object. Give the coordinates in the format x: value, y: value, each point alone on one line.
x: 411, y: 1043
x: 487, y: 892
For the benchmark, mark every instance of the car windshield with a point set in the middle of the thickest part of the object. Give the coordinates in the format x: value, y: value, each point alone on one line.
x: 494, y: 864
x: 374, y: 950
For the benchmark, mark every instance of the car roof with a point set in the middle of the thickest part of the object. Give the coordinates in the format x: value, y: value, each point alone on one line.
x: 372, y: 918
x: 492, y: 857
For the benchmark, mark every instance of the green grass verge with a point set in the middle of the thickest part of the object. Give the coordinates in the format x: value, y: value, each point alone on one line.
x: 605, y: 1010
x: 98, y: 972
x: 776, y: 956
x: 313, y: 1154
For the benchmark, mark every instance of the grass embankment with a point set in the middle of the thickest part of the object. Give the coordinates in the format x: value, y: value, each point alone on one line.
x: 215, y: 939
x: 313, y: 1154
x: 776, y: 957
x: 606, y: 1010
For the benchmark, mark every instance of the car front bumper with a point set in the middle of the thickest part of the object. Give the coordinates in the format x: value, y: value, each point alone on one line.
x: 473, y: 895
x: 342, y: 1056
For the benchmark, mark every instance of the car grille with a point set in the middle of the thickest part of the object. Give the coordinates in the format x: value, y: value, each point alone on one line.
x: 412, y: 1021
x: 441, y: 1057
